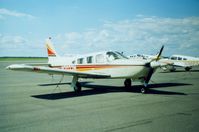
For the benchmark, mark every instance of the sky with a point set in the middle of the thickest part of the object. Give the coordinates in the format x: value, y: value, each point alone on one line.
x: 84, y: 26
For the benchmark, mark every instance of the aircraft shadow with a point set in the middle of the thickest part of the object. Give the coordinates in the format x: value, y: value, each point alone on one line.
x: 68, y: 83
x: 93, y: 89
x: 179, y: 71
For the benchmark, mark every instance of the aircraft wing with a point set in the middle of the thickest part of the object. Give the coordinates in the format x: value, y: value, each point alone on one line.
x: 49, y: 70
x: 37, y: 64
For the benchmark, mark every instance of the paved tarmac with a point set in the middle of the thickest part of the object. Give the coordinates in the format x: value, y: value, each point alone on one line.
x: 31, y: 102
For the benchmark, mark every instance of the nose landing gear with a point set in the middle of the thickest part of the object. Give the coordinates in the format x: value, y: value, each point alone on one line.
x: 143, y: 90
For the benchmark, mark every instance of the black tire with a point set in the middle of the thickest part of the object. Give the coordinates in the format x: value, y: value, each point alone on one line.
x: 77, y: 88
x: 187, y: 68
x: 127, y: 83
x: 172, y: 70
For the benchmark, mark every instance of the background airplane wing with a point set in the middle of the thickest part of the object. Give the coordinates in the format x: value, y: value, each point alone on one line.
x: 48, y: 70
x: 182, y: 64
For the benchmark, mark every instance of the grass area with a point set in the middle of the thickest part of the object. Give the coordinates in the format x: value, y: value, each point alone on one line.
x: 23, y: 58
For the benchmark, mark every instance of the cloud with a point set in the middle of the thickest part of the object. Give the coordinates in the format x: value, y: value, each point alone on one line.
x: 5, y: 12
x: 143, y: 34
x: 15, y: 45
x: 11, y: 41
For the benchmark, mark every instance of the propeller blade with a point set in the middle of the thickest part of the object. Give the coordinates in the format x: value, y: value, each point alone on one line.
x: 158, y: 57
x: 152, y: 66
x: 149, y: 75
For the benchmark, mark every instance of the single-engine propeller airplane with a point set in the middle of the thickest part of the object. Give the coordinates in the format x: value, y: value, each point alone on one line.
x: 187, y: 62
x: 108, y: 64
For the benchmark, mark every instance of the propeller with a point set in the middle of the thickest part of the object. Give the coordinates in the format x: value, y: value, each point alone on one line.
x: 151, y: 65
x: 151, y: 70
x: 158, y: 57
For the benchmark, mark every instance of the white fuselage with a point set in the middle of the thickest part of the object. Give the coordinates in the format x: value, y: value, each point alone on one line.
x: 116, y: 67
x: 181, y: 61
x: 184, y: 60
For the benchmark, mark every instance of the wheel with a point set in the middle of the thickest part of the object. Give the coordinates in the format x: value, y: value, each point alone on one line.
x: 187, y: 68
x: 144, y: 90
x: 173, y: 69
x: 127, y: 83
x: 77, y: 87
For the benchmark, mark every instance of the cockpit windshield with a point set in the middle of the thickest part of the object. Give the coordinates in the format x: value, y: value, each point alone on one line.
x: 122, y: 55
x: 115, y: 55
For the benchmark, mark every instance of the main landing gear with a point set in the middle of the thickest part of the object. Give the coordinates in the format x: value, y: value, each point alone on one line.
x: 143, y: 90
x: 127, y: 83
x: 187, y: 68
x: 76, y: 85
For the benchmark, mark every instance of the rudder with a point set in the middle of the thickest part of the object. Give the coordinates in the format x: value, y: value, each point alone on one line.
x: 50, y: 48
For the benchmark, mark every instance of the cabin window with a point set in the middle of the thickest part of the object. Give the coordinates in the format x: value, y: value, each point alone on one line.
x: 179, y: 58
x: 112, y: 56
x: 73, y: 62
x: 99, y: 58
x: 89, y: 59
x: 184, y: 58
x: 80, y: 61
x: 116, y: 55
x: 173, y: 58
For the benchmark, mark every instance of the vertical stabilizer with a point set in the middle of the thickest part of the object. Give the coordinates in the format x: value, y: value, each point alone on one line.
x: 52, y: 54
x: 50, y: 48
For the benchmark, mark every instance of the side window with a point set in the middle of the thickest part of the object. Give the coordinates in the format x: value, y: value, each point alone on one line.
x: 173, y: 58
x: 80, y: 61
x: 89, y: 59
x: 73, y: 62
x: 99, y: 58
x: 179, y: 58
x: 184, y: 58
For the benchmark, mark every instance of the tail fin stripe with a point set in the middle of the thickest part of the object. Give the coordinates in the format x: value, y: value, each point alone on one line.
x: 50, y: 51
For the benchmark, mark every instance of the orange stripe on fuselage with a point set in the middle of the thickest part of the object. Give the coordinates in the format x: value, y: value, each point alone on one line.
x: 94, y: 67
x: 91, y: 67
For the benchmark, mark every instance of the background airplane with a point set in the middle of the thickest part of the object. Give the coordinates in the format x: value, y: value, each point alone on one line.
x: 107, y: 64
x: 187, y: 62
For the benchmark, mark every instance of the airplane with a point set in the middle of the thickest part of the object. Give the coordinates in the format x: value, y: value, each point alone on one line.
x: 99, y: 65
x: 187, y: 62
